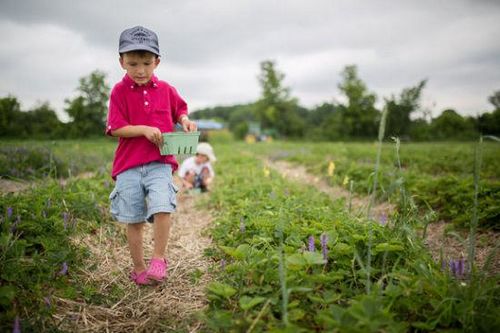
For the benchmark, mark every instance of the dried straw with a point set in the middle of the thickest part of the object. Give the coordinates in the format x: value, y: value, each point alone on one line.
x: 169, y: 306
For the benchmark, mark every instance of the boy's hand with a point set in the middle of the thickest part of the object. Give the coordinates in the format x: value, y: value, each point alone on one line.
x: 154, y: 135
x: 188, y: 125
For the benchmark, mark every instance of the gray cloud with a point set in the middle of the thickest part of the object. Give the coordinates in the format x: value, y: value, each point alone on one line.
x: 212, y: 49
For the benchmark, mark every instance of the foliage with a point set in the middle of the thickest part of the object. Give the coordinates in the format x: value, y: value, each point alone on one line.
x: 400, y: 110
x: 340, y: 273
x: 38, y: 261
x: 88, y: 110
x: 276, y: 109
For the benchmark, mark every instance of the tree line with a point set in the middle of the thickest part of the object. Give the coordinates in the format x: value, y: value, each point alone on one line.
x: 276, y: 112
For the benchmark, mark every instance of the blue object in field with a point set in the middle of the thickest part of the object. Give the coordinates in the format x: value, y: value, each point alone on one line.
x: 203, y: 125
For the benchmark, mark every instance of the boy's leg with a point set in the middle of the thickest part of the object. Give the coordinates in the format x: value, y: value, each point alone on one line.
x: 135, y: 240
x: 161, y: 229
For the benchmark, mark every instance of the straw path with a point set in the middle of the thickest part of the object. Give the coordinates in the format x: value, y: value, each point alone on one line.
x: 170, y: 306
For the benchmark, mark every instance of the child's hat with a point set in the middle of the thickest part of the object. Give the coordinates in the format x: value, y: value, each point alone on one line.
x: 139, y: 38
x: 206, y: 149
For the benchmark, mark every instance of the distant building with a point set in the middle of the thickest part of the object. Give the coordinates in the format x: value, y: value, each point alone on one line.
x: 208, y: 125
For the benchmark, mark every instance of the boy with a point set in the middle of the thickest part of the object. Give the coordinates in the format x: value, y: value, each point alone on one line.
x: 141, y: 107
x: 196, y: 171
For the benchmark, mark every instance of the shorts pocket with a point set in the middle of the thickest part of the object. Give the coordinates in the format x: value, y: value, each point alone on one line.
x: 114, y: 197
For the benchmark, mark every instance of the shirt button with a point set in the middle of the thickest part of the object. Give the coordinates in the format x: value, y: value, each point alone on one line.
x: 146, y: 103
x: 131, y: 87
x: 145, y: 92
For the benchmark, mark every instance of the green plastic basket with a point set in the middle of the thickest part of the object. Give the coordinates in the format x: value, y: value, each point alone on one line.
x: 177, y: 143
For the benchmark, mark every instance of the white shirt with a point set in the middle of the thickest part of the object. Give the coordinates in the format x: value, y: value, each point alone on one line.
x: 189, y: 164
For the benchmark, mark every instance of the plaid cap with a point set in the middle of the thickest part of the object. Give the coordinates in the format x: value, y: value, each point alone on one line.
x: 139, y: 38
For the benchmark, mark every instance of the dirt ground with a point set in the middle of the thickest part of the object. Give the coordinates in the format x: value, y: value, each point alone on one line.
x: 438, y: 240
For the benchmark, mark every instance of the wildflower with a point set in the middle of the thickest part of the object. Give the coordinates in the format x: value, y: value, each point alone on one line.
x: 242, y: 225
x: 311, y: 247
x: 46, y: 300
x: 13, y: 228
x: 9, y: 212
x: 324, y: 246
x: 266, y: 172
x: 17, y: 326
x: 44, y: 214
x: 64, y: 269
x: 346, y: 180
x: 272, y: 195
x: 460, y: 268
x: 49, y: 203
x: 286, y: 193
x: 331, y: 168
x: 383, y: 219
x: 65, y: 218
x: 223, y: 264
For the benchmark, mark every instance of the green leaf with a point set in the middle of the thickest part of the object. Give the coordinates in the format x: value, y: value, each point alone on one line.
x: 386, y: 247
x: 314, y: 258
x: 7, y: 294
x: 221, y: 289
x: 247, y: 302
x: 240, y: 252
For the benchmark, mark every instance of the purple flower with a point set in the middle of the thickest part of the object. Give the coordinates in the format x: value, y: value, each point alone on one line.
x: 311, y: 247
x: 46, y: 299
x: 65, y: 218
x: 17, y: 326
x: 324, y: 246
x: 223, y: 264
x: 13, y: 228
x: 460, y: 268
x: 453, y: 267
x: 286, y: 193
x: 64, y: 269
x: 9, y: 212
x: 383, y: 219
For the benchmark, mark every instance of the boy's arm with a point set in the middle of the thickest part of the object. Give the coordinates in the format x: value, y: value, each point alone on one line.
x: 153, y: 134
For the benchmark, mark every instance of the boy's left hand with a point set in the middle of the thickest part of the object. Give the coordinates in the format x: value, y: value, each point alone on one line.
x: 188, y: 125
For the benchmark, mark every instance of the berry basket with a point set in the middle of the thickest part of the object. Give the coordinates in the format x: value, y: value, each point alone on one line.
x: 177, y: 143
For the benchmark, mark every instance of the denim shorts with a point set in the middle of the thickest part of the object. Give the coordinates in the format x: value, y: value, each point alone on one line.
x: 143, y: 191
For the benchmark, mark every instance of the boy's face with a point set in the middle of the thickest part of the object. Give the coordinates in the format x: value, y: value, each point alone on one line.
x: 200, y: 159
x: 139, y: 67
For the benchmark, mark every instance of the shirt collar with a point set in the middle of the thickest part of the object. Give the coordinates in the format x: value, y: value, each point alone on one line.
x: 129, y: 82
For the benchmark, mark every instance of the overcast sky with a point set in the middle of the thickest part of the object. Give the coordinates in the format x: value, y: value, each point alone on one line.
x: 211, y: 49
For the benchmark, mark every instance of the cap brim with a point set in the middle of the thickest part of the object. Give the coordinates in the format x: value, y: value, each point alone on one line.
x: 138, y: 47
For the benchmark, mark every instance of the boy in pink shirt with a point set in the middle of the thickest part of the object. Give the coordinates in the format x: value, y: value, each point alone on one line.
x: 141, y: 108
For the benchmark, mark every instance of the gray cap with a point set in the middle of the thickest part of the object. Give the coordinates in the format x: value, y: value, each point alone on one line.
x: 139, y: 38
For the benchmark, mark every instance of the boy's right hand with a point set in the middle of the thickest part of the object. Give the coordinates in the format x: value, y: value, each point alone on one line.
x: 154, y: 135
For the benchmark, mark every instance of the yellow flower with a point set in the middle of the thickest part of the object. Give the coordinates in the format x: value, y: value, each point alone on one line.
x: 266, y: 172
x: 346, y: 180
x: 331, y: 168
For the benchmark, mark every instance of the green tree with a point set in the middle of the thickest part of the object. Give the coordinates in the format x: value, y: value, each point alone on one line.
x: 451, y: 125
x: 276, y: 109
x: 400, y: 109
x: 88, y: 110
x: 44, y: 122
x: 489, y: 123
x: 10, y: 117
x: 359, y: 117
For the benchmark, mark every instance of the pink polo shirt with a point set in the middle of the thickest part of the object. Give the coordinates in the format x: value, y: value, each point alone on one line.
x: 155, y: 104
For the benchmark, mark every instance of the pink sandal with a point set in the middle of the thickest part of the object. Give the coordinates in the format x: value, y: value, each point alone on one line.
x: 140, y: 279
x: 157, y: 269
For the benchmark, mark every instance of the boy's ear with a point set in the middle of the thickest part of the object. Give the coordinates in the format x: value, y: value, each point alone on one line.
x: 157, y: 61
x: 121, y: 61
